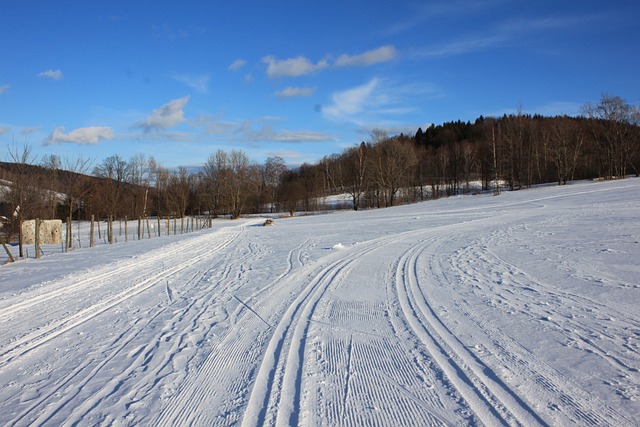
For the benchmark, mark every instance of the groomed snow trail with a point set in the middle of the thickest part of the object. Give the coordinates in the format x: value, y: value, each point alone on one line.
x: 512, y: 310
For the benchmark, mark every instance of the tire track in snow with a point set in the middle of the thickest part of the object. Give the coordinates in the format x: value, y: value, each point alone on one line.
x: 124, y: 339
x: 198, y: 385
x: 491, y: 400
x: 175, y: 354
x: 69, y: 388
x: 56, y: 327
x: 275, y: 397
x: 550, y: 387
x: 232, y: 349
x: 277, y: 387
x: 10, y: 308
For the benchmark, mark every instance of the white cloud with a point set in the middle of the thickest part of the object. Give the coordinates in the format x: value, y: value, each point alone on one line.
x: 286, y: 154
x: 51, y: 74
x: 4, y: 89
x: 30, y: 130
x: 237, y: 64
x: 257, y: 130
x: 377, y: 104
x: 170, y: 114
x: 349, y: 103
x: 292, y: 67
x: 295, y: 92
x: 267, y: 133
x: 199, y: 83
x: 381, y: 54
x: 84, y: 136
x: 302, y: 66
x: 508, y: 33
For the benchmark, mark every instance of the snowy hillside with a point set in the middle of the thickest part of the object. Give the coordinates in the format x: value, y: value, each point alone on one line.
x: 520, y: 309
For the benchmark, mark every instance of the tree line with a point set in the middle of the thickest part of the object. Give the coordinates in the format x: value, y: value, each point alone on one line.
x: 509, y: 152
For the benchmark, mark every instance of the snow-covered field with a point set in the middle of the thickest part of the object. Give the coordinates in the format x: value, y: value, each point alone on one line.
x: 520, y: 309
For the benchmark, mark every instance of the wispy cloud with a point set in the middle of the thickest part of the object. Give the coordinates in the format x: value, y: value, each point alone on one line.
x: 258, y: 130
x: 291, y: 92
x: 423, y: 12
x: 171, y: 32
x: 199, y: 83
x: 375, y: 56
x: 511, y: 32
x: 51, y: 74
x: 84, y: 136
x: 237, y: 65
x: 292, y: 67
x: 472, y: 43
x: 379, y: 103
x: 269, y: 134
x: 4, y: 89
x: 170, y: 114
x: 302, y: 66
x: 350, y: 103
x: 30, y: 130
x: 286, y: 154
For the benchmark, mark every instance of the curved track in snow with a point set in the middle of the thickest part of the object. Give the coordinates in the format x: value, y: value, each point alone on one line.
x: 469, y: 311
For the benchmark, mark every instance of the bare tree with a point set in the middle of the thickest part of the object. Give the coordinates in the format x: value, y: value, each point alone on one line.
x: 115, y: 171
x: 241, y: 183
x: 355, y: 172
x: 274, y: 169
x: 215, y: 171
x: 392, y: 164
x: 180, y: 191
x: 140, y: 170
x: 161, y: 180
x: 613, y: 128
x: 52, y: 164
x: 564, y: 148
x: 75, y: 187
x: 25, y: 196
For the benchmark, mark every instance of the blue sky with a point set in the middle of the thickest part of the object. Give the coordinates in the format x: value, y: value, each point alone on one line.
x: 296, y: 79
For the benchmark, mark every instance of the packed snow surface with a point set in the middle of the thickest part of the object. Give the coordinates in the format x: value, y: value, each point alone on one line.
x: 518, y: 309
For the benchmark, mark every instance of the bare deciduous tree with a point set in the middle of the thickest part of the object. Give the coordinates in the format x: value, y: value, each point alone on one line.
x: 354, y: 168
x: 274, y: 169
x: 613, y: 130
x: 25, y: 195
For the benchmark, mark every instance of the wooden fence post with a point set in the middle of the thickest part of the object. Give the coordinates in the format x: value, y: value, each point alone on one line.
x: 158, y: 224
x: 11, y: 259
x: 126, y: 229
x: 37, y: 237
x: 110, y: 229
x: 91, y: 241
x: 139, y: 226
x: 66, y: 237
x: 70, y: 233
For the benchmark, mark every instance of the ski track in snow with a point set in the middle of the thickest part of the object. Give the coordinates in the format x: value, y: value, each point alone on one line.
x: 454, y: 312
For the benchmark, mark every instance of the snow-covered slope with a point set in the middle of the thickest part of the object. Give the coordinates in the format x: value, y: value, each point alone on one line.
x: 520, y: 309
